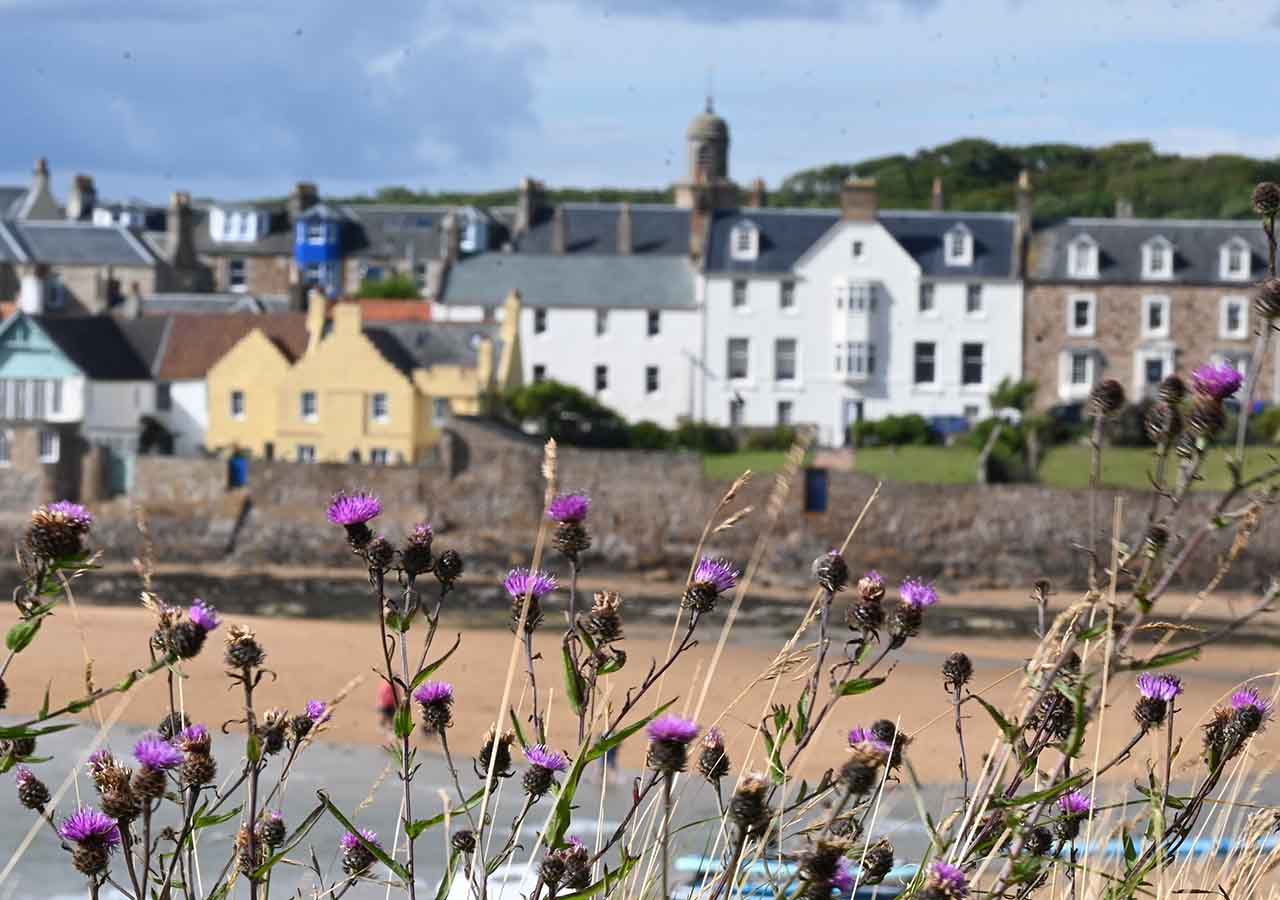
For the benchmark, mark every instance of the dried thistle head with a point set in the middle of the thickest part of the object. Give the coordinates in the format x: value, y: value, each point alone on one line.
x: 604, y: 621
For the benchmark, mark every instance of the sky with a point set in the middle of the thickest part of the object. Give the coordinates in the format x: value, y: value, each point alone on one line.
x: 242, y: 98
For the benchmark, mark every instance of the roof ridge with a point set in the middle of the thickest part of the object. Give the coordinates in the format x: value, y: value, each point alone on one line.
x: 1150, y: 222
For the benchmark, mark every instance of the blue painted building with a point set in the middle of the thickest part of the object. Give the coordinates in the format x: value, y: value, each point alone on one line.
x: 321, y: 239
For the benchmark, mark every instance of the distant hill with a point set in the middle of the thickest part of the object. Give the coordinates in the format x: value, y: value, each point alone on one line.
x: 1069, y: 180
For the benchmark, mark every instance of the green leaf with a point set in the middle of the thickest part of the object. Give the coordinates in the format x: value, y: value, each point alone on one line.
x: 413, y: 829
x: 1048, y: 793
x: 207, y: 821
x: 404, y: 720
x: 610, y: 880
x: 294, y: 840
x: 1007, y: 729
x: 858, y: 686
x: 1172, y: 658
x: 44, y: 706
x: 614, y: 663
x: 76, y: 706
x: 1091, y: 633
x: 432, y: 667
x: 378, y: 853
x: 781, y: 719
x: 22, y: 634
x: 575, y: 685
x: 14, y: 732
x: 604, y: 745
x: 515, y: 726
x: 447, y: 881
x: 803, y: 705
x: 253, y: 748
x: 586, y: 639
x: 1130, y: 851
x: 127, y: 681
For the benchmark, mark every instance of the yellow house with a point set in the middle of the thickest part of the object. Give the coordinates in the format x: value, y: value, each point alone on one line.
x: 360, y: 391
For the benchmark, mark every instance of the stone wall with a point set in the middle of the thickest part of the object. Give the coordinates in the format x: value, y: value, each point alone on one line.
x: 26, y: 482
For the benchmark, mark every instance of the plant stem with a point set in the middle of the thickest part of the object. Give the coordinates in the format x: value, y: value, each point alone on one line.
x: 406, y: 774
x: 251, y: 818
x: 964, y: 764
x: 539, y: 728
x: 1095, y: 479
x: 666, y: 834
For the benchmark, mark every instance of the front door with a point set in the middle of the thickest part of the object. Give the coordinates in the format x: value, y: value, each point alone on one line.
x: 851, y: 415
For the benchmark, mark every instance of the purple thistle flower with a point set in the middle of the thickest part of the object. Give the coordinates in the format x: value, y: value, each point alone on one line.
x: 317, y: 711
x: 350, y: 842
x: 430, y: 692
x: 22, y: 775
x: 948, y: 880
x: 1075, y: 803
x: 672, y: 728
x: 353, y: 509
x: 569, y: 508
x: 538, y: 755
x: 1247, y: 697
x: 204, y: 615
x: 867, y: 738
x: 918, y: 593
x: 1217, y: 381
x: 192, y: 734
x: 575, y: 843
x: 718, y: 573
x: 842, y: 881
x: 873, y: 576
x: 273, y: 815
x: 1159, y: 687
x: 88, y: 826
x: 99, y: 759
x: 522, y: 581
x: 79, y: 517
x: 156, y: 753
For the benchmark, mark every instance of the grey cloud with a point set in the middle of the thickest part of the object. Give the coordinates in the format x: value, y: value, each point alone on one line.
x: 713, y: 11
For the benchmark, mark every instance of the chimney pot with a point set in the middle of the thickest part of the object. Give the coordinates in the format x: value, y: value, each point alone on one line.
x: 560, y: 231
x: 180, y: 230
x: 758, y: 197
x: 42, y: 167
x: 304, y: 196
x: 1124, y: 208
x: 626, y: 244
x: 83, y: 198
x: 859, y: 200
x: 937, y: 200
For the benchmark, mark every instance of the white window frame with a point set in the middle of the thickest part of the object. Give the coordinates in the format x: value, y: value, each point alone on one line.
x: 860, y: 359
x: 540, y: 321
x: 785, y: 412
x: 1072, y: 390
x: 1225, y: 272
x: 656, y: 372
x: 55, y: 397
x: 1224, y: 305
x: 236, y: 404
x: 1150, y: 270
x: 971, y: 290
x: 1074, y: 330
x: 441, y: 410
x: 744, y: 242
x: 1143, y: 355
x: 376, y: 399
x: 739, y: 295
x: 930, y: 290
x: 314, y: 414
x: 1082, y: 257
x: 746, y: 356
x: 379, y: 456
x: 957, y: 246
x: 915, y: 354
x: 239, y: 283
x: 1159, y: 301
x: 49, y: 445
x: 862, y: 297
x: 6, y: 447
x: 602, y: 322
x: 787, y: 297
x: 981, y: 383
x: 795, y: 360
x: 317, y: 233
x: 305, y: 453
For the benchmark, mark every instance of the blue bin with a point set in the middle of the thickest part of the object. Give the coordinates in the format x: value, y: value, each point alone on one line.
x: 238, y: 471
x: 815, y: 490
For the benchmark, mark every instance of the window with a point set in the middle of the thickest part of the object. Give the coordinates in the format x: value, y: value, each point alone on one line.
x: 372, y: 273
x: 19, y: 398
x: 236, y: 279
x: 379, y: 407
x: 237, y: 404
x: 378, y: 456
x: 49, y: 446
x: 1155, y: 316
x: 925, y: 370
x: 1153, y: 371
x: 602, y: 378
x: 971, y: 360
x: 5, y: 452
x: 315, y: 233
x: 973, y: 299
x: 164, y: 396
x: 926, y: 299
x: 958, y: 246
x: 306, y: 453
x: 420, y: 275
x: 650, y: 379
x: 1080, y: 318
x: 858, y: 250
x: 1081, y: 369
x: 55, y: 399
x: 1233, y: 318
x: 4, y: 398
x: 784, y: 359
x: 1234, y: 260
x: 784, y: 412
x: 861, y: 359
x: 1157, y: 258
x: 653, y: 323
x: 862, y: 298
x: 539, y: 321
x: 57, y: 292
x: 737, y: 407
x: 739, y: 295
x: 602, y: 322
x: 441, y: 410
x: 37, y: 398
x: 787, y: 295
x: 744, y: 242
x: 972, y: 411
x: 309, y: 406
x: 739, y: 357
x: 1082, y: 258
x: 539, y: 374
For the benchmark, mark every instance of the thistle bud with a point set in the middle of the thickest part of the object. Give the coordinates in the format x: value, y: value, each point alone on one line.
x: 713, y: 762
x: 877, y: 862
x: 956, y: 671
x: 831, y: 571
x: 1107, y: 398
x: 380, y: 553
x: 448, y: 568
x: 1267, y: 299
x: 463, y: 841
x: 271, y: 828
x: 1038, y: 841
x: 1206, y: 419
x: 32, y: 792
x: 242, y: 649
x: 1266, y: 199
x: 1163, y: 423
x: 1172, y: 390
x: 749, y: 808
x: 416, y: 557
x: 604, y: 622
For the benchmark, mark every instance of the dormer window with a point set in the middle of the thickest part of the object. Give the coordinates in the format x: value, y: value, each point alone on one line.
x: 958, y: 246
x: 1082, y: 257
x: 1235, y: 260
x: 1157, y: 258
x: 744, y: 241
x: 315, y: 233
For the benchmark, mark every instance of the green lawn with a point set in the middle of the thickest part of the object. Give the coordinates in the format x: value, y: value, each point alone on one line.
x: 931, y: 465
x: 728, y: 466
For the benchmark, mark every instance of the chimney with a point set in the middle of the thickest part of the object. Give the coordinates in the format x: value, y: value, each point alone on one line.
x: 34, y: 290
x: 531, y: 199
x: 180, y: 229
x: 451, y: 238
x: 1124, y: 208
x: 757, y: 198
x: 39, y: 204
x: 859, y: 200
x: 626, y: 243
x: 82, y: 200
x: 699, y: 223
x: 304, y: 197
x: 346, y: 319
x: 317, y: 312
x: 1023, y: 219
x: 937, y: 200
x: 560, y: 231
x: 131, y: 306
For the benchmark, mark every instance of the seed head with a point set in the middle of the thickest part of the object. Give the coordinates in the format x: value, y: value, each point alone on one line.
x: 713, y: 762
x: 1267, y: 299
x: 463, y: 841
x: 871, y: 586
x: 242, y: 649
x: 448, y: 568
x: 32, y: 792
x: 749, y: 808
x: 1172, y: 390
x: 271, y: 828
x: 495, y: 748
x: 1266, y: 199
x: 171, y: 725
x: 957, y: 669
x: 1107, y: 398
x: 415, y: 556
x: 1163, y: 422
x: 877, y: 862
x: 604, y: 622
x: 831, y: 571
x: 1038, y: 841
x: 1206, y: 419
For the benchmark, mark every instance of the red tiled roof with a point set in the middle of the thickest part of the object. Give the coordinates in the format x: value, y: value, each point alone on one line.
x: 379, y: 310
x: 195, y: 342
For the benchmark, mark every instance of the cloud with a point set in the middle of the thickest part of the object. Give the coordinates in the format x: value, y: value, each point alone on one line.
x: 734, y: 11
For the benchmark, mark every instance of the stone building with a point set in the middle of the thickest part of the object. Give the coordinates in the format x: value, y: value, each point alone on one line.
x: 1139, y: 299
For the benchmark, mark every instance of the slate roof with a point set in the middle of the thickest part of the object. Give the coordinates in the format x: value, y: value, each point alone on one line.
x: 785, y: 235
x: 278, y: 241
x: 193, y: 343
x: 386, y: 231
x: 11, y: 249
x: 580, y: 280
x: 99, y: 346
x: 1196, y: 245
x: 76, y: 244
x: 419, y: 345
x: 148, y: 338
x: 225, y: 303
x: 593, y: 229
x: 11, y: 197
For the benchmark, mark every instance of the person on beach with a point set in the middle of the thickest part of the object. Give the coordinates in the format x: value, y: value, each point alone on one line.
x: 386, y: 705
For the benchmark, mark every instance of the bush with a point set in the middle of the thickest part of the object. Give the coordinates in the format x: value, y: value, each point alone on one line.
x: 1265, y: 426
x: 1128, y: 428
x: 779, y: 438
x: 1013, y: 438
x: 567, y: 414
x: 705, y: 438
x: 397, y: 287
x: 649, y: 436
x: 894, y: 431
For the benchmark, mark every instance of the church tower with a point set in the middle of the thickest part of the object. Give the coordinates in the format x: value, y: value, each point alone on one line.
x: 706, y: 185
